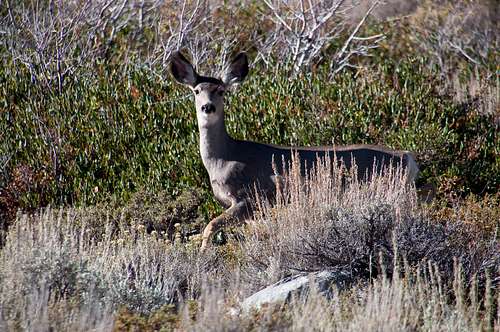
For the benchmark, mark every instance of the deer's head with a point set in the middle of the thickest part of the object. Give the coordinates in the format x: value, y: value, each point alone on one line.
x: 209, y: 91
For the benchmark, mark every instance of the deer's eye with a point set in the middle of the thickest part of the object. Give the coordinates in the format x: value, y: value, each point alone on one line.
x: 196, y: 91
x: 220, y: 92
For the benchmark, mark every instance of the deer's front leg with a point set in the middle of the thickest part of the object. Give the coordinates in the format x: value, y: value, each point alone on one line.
x: 235, y: 213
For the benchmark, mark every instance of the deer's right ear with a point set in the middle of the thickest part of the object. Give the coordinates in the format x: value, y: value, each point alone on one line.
x: 182, y: 70
x: 237, y: 70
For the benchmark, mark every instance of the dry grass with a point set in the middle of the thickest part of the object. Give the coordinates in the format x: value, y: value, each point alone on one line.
x: 324, y: 222
x: 416, y: 302
x: 58, y: 272
x: 54, y: 269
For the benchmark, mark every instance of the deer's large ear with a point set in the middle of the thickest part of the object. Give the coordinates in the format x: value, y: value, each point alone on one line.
x: 237, y: 70
x: 182, y: 70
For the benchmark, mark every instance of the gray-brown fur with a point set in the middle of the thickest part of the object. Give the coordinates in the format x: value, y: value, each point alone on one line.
x: 235, y: 167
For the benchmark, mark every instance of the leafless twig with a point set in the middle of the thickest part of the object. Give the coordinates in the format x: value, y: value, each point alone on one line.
x: 304, y: 29
x: 55, y: 39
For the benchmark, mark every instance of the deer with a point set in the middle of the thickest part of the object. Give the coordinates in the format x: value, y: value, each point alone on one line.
x: 236, y: 166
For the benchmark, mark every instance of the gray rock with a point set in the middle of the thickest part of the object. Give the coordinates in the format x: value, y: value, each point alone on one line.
x: 297, y: 285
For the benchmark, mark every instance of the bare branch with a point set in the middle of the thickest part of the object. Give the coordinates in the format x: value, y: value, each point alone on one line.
x: 461, y: 51
x: 303, y: 30
x: 356, y: 29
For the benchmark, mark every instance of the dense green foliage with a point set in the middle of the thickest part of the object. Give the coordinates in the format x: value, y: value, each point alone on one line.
x: 126, y: 129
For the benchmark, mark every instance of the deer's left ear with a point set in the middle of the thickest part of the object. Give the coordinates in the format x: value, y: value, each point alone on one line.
x: 237, y: 70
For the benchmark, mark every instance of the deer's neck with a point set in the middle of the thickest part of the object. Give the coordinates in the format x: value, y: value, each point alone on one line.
x: 215, y: 144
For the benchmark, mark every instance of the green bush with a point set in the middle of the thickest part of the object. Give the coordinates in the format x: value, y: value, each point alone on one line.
x: 124, y: 129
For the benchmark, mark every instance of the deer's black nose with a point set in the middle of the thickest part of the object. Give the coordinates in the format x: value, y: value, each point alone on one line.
x: 208, y: 108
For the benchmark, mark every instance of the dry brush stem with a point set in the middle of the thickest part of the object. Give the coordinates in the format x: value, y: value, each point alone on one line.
x: 56, y: 39
x: 177, y: 27
x: 45, y: 38
x: 200, y: 28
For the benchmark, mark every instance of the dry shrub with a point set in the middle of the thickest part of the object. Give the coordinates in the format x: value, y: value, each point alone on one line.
x: 480, y: 214
x: 388, y: 9
x: 57, y: 272
x: 302, y: 33
x: 316, y: 225
x: 416, y: 302
x: 476, y: 92
x: 53, y: 258
x: 451, y: 31
x: 57, y: 40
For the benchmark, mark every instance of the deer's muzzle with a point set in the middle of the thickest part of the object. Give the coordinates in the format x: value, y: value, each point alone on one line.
x: 208, y: 108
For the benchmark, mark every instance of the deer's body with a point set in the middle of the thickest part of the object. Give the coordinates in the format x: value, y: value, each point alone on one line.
x: 235, y: 167
x: 233, y: 172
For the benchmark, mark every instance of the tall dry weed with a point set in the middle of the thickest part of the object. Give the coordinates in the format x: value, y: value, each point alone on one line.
x: 333, y: 221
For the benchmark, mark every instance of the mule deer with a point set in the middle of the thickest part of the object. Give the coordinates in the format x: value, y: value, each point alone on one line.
x: 236, y: 166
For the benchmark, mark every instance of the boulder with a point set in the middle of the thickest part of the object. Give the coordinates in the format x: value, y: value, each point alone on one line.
x: 296, y: 285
